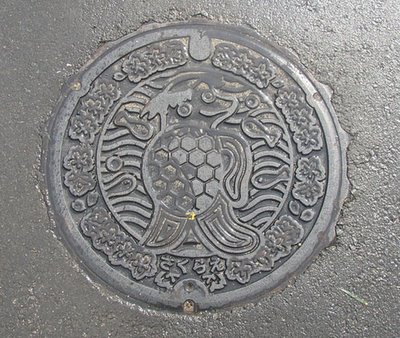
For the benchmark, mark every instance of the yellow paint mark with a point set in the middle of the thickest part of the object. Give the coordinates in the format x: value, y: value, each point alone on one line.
x: 191, y: 215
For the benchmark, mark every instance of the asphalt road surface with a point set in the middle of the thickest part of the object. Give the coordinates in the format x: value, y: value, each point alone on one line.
x: 351, y: 290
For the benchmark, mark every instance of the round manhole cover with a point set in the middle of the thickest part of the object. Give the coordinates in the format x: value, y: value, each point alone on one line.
x: 194, y: 166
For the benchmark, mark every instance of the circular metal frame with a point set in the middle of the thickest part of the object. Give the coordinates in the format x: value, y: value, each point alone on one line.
x: 321, y: 234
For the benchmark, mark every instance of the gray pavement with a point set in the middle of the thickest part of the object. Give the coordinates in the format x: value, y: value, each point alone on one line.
x: 353, y: 46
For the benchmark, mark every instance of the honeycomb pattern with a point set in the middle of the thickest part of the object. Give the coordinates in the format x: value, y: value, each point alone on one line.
x: 185, y: 169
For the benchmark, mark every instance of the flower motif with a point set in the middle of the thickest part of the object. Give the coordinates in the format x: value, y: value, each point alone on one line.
x: 285, y: 233
x: 84, y: 127
x: 308, y: 192
x: 107, y: 238
x: 142, y: 265
x: 299, y: 115
x: 159, y: 59
x: 106, y: 91
x: 308, y: 140
x: 79, y: 158
x: 272, y: 243
x: 92, y: 223
x: 120, y: 249
x: 289, y: 100
x: 263, y: 73
x: 257, y: 70
x: 242, y: 64
x: 310, y: 169
x: 79, y: 182
x: 289, y: 230
x: 124, y: 253
x: 300, y: 118
x: 146, y: 61
x: 175, y: 53
x: 263, y: 261
x: 223, y: 56
x: 135, y: 68
x: 85, y: 124
x: 93, y: 107
x: 310, y: 175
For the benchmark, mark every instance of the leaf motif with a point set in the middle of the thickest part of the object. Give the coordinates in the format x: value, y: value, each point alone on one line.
x: 307, y: 215
x: 119, y: 76
x: 78, y: 205
x: 294, y: 207
x: 277, y: 83
x: 92, y: 198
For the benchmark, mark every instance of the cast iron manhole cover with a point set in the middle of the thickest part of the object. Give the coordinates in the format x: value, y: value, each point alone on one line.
x: 195, y: 165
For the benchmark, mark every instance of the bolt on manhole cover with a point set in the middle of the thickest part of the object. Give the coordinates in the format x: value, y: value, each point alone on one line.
x: 194, y: 166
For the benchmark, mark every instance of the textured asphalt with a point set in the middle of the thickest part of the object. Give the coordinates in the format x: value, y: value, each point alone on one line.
x: 351, y: 290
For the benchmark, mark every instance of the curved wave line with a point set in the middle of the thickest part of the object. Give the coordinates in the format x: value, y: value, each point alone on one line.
x: 257, y: 212
x: 261, y: 111
x: 116, y: 134
x: 135, y: 221
x: 271, y: 154
x: 130, y: 199
x: 262, y: 221
x: 264, y: 164
x: 133, y: 208
x: 283, y: 148
x: 129, y: 152
x: 280, y: 187
x: 257, y: 145
x: 135, y: 164
x: 260, y: 199
x: 113, y: 177
x: 122, y: 143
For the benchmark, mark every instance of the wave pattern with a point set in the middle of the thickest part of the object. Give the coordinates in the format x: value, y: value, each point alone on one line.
x: 270, y: 179
x: 121, y: 158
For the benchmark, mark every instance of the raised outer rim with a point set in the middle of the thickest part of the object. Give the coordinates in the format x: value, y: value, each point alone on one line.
x: 322, y: 234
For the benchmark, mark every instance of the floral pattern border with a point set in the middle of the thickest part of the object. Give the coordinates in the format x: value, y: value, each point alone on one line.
x: 258, y: 71
x: 146, y: 61
x: 300, y: 117
x: 310, y: 176
x: 120, y: 249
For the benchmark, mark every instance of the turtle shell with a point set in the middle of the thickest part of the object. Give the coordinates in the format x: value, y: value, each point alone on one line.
x: 185, y: 169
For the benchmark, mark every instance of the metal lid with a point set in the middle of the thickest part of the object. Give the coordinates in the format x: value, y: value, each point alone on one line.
x: 195, y: 164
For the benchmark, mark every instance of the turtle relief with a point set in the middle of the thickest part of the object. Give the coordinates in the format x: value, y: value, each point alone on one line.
x: 190, y: 155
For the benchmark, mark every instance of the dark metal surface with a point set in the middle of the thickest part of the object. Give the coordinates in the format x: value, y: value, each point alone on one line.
x: 195, y: 166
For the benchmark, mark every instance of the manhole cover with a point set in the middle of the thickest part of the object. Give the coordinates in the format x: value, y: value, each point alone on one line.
x: 194, y: 166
